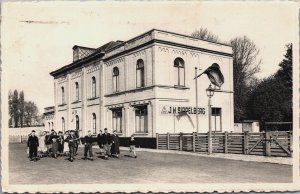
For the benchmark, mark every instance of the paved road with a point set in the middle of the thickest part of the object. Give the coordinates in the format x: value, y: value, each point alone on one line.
x: 147, y: 168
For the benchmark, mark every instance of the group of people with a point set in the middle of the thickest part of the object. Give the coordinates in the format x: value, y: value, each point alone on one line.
x: 58, y: 144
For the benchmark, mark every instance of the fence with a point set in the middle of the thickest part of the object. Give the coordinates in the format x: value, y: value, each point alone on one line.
x: 20, y: 135
x: 272, y: 143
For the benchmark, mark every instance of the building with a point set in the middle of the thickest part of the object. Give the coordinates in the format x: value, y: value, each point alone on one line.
x: 49, y: 118
x: 143, y: 86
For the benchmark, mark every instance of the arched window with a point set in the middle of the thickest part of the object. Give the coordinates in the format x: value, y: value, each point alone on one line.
x: 76, y: 91
x: 52, y: 125
x: 77, y: 122
x: 115, y: 79
x: 62, y: 95
x: 140, y: 74
x: 179, y: 72
x: 49, y: 126
x: 94, y: 123
x: 93, y: 87
x: 63, y: 124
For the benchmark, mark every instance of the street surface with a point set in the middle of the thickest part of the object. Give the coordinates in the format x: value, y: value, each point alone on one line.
x: 147, y: 168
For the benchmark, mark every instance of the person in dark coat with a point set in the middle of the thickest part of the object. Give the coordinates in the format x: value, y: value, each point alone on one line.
x: 54, y: 139
x: 33, y: 144
x: 100, y: 141
x: 115, y: 146
x: 48, y: 143
x: 72, y: 140
x: 88, y: 145
x: 106, y: 140
x: 60, y: 142
x: 77, y: 142
x: 132, y: 145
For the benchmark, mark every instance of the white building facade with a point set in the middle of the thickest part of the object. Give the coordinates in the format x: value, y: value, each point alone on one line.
x: 143, y: 86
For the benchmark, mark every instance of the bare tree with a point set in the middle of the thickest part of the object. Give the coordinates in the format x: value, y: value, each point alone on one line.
x: 204, y: 34
x: 245, y: 65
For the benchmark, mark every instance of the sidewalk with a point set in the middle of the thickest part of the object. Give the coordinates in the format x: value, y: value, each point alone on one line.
x: 241, y: 157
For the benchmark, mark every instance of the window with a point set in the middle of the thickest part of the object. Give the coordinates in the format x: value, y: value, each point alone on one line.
x: 63, y: 124
x: 77, y: 122
x: 52, y: 125
x: 49, y: 126
x: 216, y: 121
x: 141, y: 121
x: 62, y: 95
x: 140, y: 78
x: 93, y: 87
x: 115, y: 79
x: 94, y: 123
x: 179, y: 72
x: 117, y: 120
x: 76, y: 91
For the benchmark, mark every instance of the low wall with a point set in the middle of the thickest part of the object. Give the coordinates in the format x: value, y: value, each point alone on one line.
x: 24, y: 131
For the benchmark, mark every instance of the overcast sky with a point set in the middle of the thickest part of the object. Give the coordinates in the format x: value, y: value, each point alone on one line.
x: 37, y: 37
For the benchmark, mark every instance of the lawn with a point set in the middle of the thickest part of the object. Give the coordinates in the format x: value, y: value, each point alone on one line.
x: 147, y: 168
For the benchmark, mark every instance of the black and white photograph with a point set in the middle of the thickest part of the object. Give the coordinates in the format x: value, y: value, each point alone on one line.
x: 149, y: 96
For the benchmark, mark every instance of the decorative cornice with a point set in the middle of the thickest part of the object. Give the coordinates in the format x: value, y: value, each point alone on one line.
x: 163, y: 49
x: 62, y: 79
x: 194, y: 54
x: 93, y: 68
x: 115, y: 61
x: 179, y: 52
x: 76, y: 74
x: 139, y: 53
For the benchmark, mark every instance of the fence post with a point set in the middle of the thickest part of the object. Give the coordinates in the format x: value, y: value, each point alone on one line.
x: 226, y: 142
x: 157, y: 136
x: 246, y: 143
x: 291, y: 142
x: 180, y: 141
x: 194, y: 142
x: 168, y: 141
x: 268, y: 143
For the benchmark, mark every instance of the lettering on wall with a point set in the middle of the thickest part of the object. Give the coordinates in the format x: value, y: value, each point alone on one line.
x: 177, y: 110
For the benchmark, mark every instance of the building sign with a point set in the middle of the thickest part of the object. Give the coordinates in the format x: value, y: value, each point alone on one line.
x: 177, y: 110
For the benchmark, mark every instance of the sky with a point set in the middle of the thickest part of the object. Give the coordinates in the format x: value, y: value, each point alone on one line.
x: 37, y: 37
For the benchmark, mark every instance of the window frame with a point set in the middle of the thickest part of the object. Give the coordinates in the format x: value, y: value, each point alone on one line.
x: 94, y: 124
x: 142, y: 113
x: 77, y: 123
x: 76, y: 92
x: 116, y: 74
x: 62, y: 95
x: 63, y: 124
x: 93, y: 89
x: 140, y: 70
x: 216, y: 112
x: 117, y: 113
x: 178, y: 67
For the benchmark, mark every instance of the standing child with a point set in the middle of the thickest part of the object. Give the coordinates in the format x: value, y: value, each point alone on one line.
x: 132, y: 144
x: 60, y: 143
x: 72, y: 139
x: 33, y: 144
x: 88, y: 145
x: 66, y: 146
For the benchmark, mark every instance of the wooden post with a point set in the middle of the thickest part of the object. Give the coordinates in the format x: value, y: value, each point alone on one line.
x: 180, y: 141
x: 291, y: 142
x: 209, y: 137
x: 268, y: 143
x: 157, y: 136
x: 226, y: 142
x: 168, y: 141
x: 194, y: 142
x: 246, y: 143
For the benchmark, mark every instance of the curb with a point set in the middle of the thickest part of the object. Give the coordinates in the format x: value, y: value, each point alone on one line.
x: 248, y: 158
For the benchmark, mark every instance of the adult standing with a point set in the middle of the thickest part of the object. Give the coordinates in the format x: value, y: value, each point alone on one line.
x: 60, y: 143
x: 42, y: 146
x: 115, y: 146
x: 48, y: 143
x: 33, y: 144
x: 100, y: 141
x: 72, y: 140
x: 88, y: 145
x: 66, y: 146
x: 106, y: 143
x: 77, y: 141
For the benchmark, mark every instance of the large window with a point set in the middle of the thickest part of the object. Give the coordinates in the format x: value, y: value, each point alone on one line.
x: 94, y: 124
x: 93, y: 87
x: 62, y: 95
x: 52, y: 125
x: 115, y: 79
x: 140, y: 78
x: 117, y: 120
x: 77, y: 122
x: 49, y: 126
x: 76, y: 91
x: 179, y: 72
x: 63, y: 124
x: 141, y: 119
x: 216, y: 119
